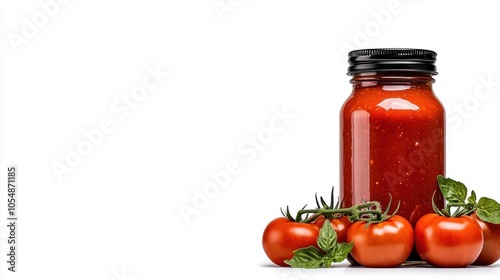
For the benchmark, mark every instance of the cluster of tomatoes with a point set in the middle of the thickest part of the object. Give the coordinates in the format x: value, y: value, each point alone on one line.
x: 388, y: 242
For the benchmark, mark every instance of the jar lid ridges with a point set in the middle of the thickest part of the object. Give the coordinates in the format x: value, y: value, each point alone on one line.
x: 392, y: 59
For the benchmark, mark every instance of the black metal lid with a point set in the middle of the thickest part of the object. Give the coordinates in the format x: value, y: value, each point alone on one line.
x: 376, y: 60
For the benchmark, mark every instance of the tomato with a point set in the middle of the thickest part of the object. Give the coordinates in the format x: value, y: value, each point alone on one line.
x: 340, y: 225
x: 448, y: 242
x: 384, y: 244
x: 282, y: 236
x: 491, y: 247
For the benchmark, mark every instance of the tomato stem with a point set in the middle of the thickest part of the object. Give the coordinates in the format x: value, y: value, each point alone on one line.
x: 356, y: 212
x: 369, y: 211
x: 461, y: 209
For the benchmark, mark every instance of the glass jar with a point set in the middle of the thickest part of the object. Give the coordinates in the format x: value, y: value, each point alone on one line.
x: 392, y: 132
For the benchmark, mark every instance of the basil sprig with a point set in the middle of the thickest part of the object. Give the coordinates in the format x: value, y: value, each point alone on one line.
x: 329, y: 250
x: 455, y: 194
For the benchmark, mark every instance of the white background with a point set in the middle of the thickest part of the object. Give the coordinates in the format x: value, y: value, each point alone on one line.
x: 116, y: 214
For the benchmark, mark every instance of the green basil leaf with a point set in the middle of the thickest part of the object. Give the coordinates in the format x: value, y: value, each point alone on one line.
x: 327, y: 261
x: 488, y: 210
x: 327, y: 237
x: 310, y: 257
x: 453, y: 191
x: 340, y: 251
x: 472, y: 198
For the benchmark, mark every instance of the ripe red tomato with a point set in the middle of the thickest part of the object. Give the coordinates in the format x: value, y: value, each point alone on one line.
x: 448, y: 242
x: 491, y: 247
x: 384, y: 244
x: 282, y: 236
x: 340, y: 225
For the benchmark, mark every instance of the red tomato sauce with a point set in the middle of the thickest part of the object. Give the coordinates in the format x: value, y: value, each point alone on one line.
x: 392, y: 141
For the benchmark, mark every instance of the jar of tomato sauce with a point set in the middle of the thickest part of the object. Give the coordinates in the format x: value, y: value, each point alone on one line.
x: 392, y: 131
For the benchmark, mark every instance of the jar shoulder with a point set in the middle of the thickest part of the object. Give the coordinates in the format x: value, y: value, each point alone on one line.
x: 418, y: 101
